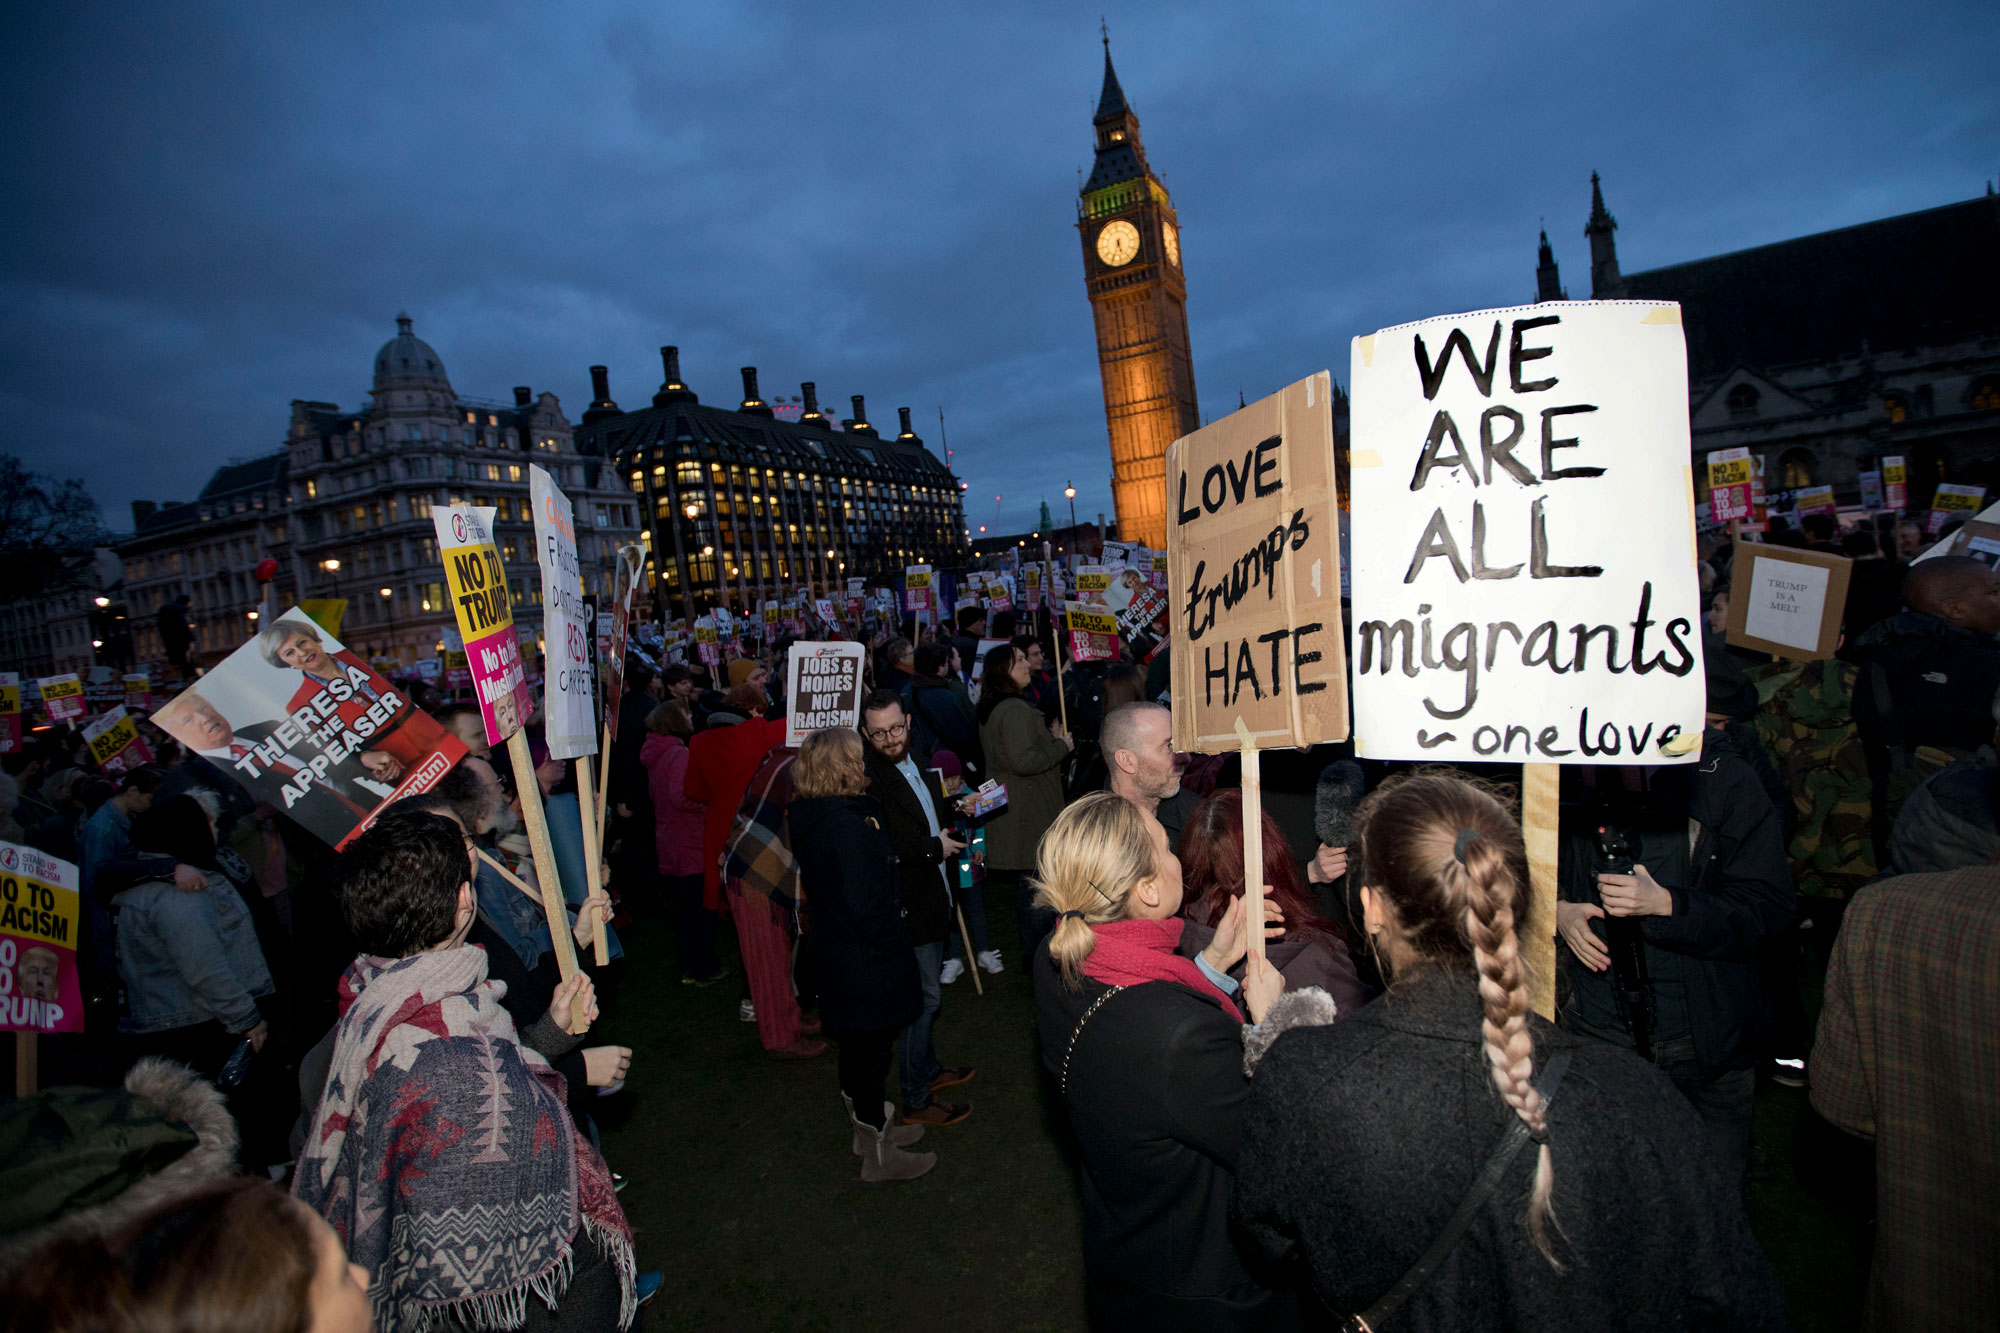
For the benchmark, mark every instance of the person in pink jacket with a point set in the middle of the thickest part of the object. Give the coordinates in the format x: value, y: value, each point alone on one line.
x: 677, y: 834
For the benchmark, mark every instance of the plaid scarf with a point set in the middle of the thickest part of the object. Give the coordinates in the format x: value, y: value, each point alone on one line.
x: 443, y: 1154
x: 759, y: 854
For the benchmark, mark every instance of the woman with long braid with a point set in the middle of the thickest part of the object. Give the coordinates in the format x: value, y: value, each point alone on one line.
x: 1366, y: 1140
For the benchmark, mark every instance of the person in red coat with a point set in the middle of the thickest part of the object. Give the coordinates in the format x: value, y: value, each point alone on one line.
x: 721, y: 762
x: 296, y: 644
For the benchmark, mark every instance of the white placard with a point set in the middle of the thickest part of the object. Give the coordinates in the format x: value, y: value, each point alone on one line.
x: 1523, y: 518
x: 570, y: 721
x: 822, y: 688
x: 1787, y: 602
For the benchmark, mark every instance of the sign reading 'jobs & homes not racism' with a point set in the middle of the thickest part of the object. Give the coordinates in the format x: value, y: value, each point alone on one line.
x: 1524, y: 566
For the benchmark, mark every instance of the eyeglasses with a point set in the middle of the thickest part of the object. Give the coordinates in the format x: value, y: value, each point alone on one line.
x: 887, y: 733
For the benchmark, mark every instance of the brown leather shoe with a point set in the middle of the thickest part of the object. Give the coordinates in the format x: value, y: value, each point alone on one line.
x: 805, y: 1048
x: 951, y: 1078
x: 938, y: 1114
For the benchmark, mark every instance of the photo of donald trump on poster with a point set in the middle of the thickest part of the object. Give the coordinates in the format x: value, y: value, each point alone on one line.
x: 300, y: 721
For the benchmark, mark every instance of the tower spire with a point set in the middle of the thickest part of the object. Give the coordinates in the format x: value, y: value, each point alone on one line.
x: 1548, y: 281
x: 1605, y: 281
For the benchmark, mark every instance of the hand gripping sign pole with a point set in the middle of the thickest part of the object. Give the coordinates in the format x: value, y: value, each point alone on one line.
x: 478, y: 586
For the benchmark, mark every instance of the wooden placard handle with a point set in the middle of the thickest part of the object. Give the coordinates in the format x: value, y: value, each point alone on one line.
x: 1540, y: 788
x: 27, y: 1064
x: 1253, y: 841
x: 600, y: 946
x: 536, y: 821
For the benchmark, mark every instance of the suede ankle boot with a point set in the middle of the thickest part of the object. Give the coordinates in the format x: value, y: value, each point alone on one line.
x: 900, y: 1135
x: 885, y: 1161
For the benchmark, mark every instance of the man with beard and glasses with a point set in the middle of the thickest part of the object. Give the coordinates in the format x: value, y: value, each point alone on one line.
x: 915, y: 816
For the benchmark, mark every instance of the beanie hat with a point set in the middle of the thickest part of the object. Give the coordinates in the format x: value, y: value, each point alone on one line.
x: 739, y: 669
x: 945, y: 762
x: 1729, y: 690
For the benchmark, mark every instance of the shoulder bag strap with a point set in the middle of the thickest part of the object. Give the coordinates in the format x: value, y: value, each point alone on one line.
x: 1077, y: 1031
x: 1503, y: 1155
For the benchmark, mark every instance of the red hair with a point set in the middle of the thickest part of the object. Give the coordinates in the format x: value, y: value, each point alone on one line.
x: 1212, y: 867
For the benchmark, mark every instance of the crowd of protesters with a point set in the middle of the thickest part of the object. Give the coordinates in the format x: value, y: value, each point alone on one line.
x: 1361, y: 1118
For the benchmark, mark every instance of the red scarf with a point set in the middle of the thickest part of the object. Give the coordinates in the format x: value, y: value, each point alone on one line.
x: 1132, y: 952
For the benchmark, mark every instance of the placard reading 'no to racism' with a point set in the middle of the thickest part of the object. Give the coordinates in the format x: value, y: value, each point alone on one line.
x: 39, y: 987
x: 1524, y: 581
x: 478, y: 583
x: 1253, y: 560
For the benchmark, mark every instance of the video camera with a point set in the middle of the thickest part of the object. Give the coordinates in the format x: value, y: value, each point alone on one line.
x: 1615, y: 847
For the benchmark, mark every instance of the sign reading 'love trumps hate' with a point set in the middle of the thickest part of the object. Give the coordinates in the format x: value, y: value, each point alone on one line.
x: 1253, y: 577
x: 1523, y: 538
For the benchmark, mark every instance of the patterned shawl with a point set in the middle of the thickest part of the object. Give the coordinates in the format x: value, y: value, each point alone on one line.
x: 443, y: 1154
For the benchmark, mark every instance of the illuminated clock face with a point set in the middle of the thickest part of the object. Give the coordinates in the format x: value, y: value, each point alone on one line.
x: 1118, y: 243
x: 1173, y: 239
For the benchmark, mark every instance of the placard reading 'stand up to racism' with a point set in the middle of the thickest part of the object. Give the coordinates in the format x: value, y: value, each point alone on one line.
x: 1523, y: 538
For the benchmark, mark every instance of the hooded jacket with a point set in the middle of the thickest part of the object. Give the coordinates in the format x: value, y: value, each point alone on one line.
x: 1926, y: 681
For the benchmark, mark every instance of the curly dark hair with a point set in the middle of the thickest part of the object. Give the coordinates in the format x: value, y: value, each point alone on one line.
x: 399, y: 883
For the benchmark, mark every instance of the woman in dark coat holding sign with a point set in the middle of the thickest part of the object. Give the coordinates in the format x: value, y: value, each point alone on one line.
x: 1025, y: 754
x: 868, y: 984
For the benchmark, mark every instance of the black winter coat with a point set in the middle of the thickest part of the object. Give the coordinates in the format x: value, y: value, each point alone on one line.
x: 1362, y: 1138
x: 926, y: 901
x: 1732, y: 892
x: 1155, y: 1094
x: 1936, y: 679
x: 867, y: 968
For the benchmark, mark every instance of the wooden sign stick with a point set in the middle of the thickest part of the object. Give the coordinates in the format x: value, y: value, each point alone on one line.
x: 1055, y: 638
x: 971, y: 959
x: 603, y: 783
x: 499, y: 868
x: 536, y: 821
x: 1253, y: 842
x: 27, y: 1064
x: 1540, y: 786
x: 600, y: 946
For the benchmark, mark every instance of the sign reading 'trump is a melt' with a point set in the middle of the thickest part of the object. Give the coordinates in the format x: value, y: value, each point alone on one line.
x: 1524, y: 567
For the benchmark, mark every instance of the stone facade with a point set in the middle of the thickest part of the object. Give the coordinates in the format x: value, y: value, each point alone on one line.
x: 1827, y: 353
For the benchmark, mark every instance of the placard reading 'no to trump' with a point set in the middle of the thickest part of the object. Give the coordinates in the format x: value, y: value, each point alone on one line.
x: 1523, y: 540
x: 478, y: 583
x: 1253, y: 560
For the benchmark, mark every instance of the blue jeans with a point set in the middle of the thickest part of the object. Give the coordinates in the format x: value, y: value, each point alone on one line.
x: 920, y: 1062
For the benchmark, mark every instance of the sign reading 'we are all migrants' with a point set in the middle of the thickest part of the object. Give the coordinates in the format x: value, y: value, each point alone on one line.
x: 1523, y: 538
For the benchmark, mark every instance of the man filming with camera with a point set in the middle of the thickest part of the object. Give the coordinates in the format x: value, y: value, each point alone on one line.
x: 1672, y: 878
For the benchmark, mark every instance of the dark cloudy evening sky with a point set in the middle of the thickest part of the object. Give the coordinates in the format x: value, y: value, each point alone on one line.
x: 214, y: 209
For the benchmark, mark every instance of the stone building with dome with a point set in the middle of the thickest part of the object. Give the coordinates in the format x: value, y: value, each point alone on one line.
x: 345, y: 509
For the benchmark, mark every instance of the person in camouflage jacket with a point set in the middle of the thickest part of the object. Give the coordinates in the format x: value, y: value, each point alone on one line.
x: 1806, y: 723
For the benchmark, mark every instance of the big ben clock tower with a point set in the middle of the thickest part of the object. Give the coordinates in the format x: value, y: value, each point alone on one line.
x: 1132, y: 270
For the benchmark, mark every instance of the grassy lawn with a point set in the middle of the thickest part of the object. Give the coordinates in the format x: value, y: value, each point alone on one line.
x: 744, y: 1192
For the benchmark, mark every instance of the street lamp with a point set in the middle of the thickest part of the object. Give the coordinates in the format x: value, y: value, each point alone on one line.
x: 387, y: 592
x: 330, y: 565
x: 1069, y: 491
x: 103, y: 602
x: 252, y: 615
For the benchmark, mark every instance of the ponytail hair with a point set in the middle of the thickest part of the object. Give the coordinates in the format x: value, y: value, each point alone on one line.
x: 1086, y: 867
x: 1445, y: 853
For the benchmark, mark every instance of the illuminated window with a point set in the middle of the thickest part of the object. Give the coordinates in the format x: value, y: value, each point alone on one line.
x: 1896, y: 407
x: 513, y: 472
x: 1986, y: 394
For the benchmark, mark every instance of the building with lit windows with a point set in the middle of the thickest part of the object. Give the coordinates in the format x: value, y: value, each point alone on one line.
x: 345, y: 508
x: 740, y: 505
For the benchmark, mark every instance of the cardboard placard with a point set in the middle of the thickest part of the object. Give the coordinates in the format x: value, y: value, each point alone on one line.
x: 1951, y: 500
x: 624, y: 584
x: 62, y: 697
x: 1787, y: 601
x: 1524, y: 566
x: 1729, y: 485
x: 1871, y: 490
x: 115, y: 742
x: 1979, y: 540
x: 39, y: 987
x: 822, y: 688
x: 479, y: 601
x: 569, y: 709
x: 1253, y: 560
x: 1092, y: 630
x: 1815, y: 500
x: 139, y: 693
x: 1895, y: 483
x: 298, y: 720
x: 10, y: 712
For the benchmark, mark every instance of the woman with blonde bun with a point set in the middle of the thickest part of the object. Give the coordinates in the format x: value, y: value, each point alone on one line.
x: 1147, y: 1049
x: 1593, y: 1199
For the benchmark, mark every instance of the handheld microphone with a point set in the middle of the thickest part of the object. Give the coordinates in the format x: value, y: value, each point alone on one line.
x: 1341, y: 787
